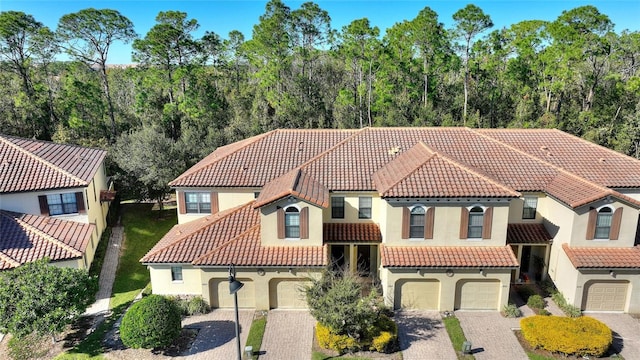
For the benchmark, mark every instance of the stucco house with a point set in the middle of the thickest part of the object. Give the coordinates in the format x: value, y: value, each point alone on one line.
x: 54, y: 201
x: 440, y: 218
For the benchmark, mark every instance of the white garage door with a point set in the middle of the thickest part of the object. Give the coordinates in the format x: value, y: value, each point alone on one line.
x: 222, y: 299
x: 287, y: 294
x: 605, y: 296
x: 477, y: 294
x: 417, y: 294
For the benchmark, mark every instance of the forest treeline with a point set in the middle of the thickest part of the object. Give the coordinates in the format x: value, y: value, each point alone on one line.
x: 185, y: 96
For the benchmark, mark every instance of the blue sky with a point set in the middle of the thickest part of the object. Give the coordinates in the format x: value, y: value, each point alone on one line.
x: 222, y: 16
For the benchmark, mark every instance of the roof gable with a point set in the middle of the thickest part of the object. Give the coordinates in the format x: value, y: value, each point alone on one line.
x: 29, y: 165
x: 294, y: 183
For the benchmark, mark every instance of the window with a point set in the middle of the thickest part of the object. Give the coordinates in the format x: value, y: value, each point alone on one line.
x: 416, y: 223
x: 364, y: 207
x: 176, y: 273
x: 198, y: 202
x: 476, y: 219
x: 529, y: 207
x: 603, y: 223
x: 62, y: 204
x: 292, y: 223
x: 337, y: 207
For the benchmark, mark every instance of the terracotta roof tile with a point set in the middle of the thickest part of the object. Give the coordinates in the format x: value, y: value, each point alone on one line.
x: 527, y: 234
x: 28, y: 165
x: 448, y: 257
x: 27, y: 238
x: 603, y: 257
x: 229, y: 237
x: 351, y: 232
x: 295, y: 183
x: 422, y: 172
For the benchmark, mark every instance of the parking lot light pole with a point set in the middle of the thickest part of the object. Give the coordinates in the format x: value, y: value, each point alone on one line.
x: 234, y: 286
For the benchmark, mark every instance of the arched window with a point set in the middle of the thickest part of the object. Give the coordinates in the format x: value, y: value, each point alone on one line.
x: 292, y: 223
x: 603, y: 223
x: 416, y: 223
x: 476, y: 220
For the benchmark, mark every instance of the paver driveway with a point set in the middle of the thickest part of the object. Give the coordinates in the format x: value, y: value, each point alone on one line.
x: 626, y: 333
x: 289, y: 335
x: 423, y: 336
x: 216, y: 339
x: 491, y: 335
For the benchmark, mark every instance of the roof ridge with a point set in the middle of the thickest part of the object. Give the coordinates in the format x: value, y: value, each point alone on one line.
x: 255, y: 138
x: 433, y: 154
x: 43, y: 161
x: 48, y: 237
x: 468, y: 168
x: 225, y: 244
x: 594, y: 145
x: 356, y: 132
x: 216, y: 218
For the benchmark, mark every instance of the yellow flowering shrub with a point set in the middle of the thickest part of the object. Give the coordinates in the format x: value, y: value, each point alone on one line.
x: 580, y: 336
x: 384, y: 342
x: 340, y: 343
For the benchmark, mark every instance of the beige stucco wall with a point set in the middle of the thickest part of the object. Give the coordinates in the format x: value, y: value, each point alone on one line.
x: 633, y: 292
x: 516, y: 205
x: 162, y: 284
x: 628, y: 227
x: 269, y: 224
x: 351, y: 206
x: 228, y: 198
x: 389, y: 278
x: 446, y: 225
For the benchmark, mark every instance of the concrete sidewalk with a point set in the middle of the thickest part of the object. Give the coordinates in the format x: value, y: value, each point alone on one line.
x: 107, y: 273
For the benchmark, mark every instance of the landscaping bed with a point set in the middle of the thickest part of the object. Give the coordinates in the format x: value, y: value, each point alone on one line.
x: 541, y: 354
x: 318, y: 353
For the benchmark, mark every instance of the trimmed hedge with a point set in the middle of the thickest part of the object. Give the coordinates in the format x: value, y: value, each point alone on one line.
x: 382, y: 337
x: 340, y: 343
x: 152, y: 322
x: 583, y: 336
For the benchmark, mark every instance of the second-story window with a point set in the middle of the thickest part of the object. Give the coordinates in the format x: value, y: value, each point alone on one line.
x: 416, y: 223
x: 603, y: 223
x: 198, y: 202
x: 364, y: 207
x: 337, y: 207
x: 292, y: 223
x: 529, y: 207
x: 60, y: 204
x: 476, y: 219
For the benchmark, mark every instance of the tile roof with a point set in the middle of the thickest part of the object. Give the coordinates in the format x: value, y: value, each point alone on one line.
x: 422, y: 172
x: 454, y: 162
x: 232, y: 236
x: 294, y: 183
x: 27, y: 238
x: 29, y: 165
x: 603, y: 257
x: 448, y: 257
x: 351, y: 232
x: 527, y: 234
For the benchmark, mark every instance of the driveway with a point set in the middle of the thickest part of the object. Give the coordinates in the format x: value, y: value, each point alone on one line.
x: 491, y: 335
x: 289, y: 335
x: 216, y: 339
x: 423, y: 336
x: 626, y: 333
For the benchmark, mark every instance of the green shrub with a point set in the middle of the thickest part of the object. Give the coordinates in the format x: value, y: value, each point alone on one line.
x: 511, y: 311
x: 31, y: 346
x: 568, y: 309
x: 525, y: 291
x: 536, y: 302
x: 197, y: 306
x: 329, y: 340
x: 583, y: 336
x: 152, y: 322
x: 544, y: 312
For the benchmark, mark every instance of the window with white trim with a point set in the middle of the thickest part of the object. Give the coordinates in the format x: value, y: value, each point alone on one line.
x: 176, y: 273
x: 364, y: 207
x: 476, y: 220
x: 416, y: 223
x: 60, y: 204
x: 292, y: 223
x: 529, y: 207
x: 197, y: 202
x: 603, y: 223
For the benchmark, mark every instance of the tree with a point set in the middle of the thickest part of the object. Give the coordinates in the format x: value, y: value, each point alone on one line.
x: 149, y: 161
x: 87, y: 36
x: 470, y: 21
x: 42, y: 298
x: 152, y: 322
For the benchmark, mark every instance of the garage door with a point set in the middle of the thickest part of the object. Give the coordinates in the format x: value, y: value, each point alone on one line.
x: 222, y: 299
x: 287, y: 294
x: 477, y: 294
x: 605, y: 295
x: 417, y: 294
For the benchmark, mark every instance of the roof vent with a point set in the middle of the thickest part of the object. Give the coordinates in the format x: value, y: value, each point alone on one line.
x: 544, y: 147
x: 602, y: 160
x: 394, y: 150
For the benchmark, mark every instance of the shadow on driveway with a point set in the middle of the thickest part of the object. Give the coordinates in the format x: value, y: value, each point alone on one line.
x: 211, y: 335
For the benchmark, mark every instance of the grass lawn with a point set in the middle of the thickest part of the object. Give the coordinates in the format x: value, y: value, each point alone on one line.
x: 452, y: 324
x: 142, y: 229
x: 256, y: 333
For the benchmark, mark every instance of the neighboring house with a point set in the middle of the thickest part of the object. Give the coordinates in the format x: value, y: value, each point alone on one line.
x: 54, y: 200
x: 441, y: 218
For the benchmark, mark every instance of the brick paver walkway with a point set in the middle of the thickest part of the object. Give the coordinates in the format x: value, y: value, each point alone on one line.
x: 289, y: 335
x: 423, y: 336
x: 107, y: 273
